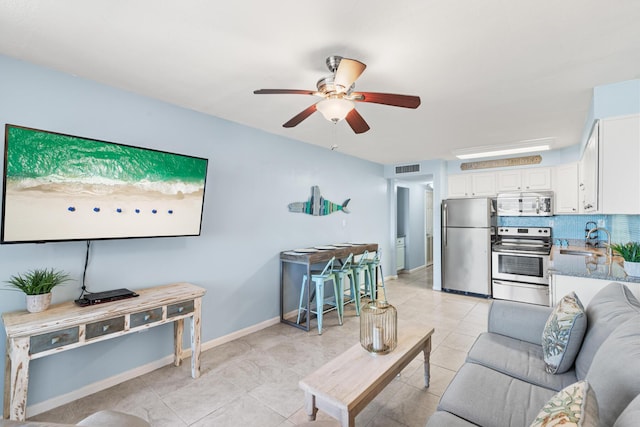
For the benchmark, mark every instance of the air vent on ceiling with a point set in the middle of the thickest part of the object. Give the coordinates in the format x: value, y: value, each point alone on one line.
x: 407, y: 169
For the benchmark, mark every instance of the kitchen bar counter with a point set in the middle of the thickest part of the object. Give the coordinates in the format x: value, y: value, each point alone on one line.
x: 588, y: 266
x: 291, y: 278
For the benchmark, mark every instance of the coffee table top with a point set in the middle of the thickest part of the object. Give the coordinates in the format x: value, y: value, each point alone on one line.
x: 351, y: 376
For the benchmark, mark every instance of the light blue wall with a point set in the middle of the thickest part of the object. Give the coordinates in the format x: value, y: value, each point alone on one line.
x: 616, y: 99
x: 252, y: 177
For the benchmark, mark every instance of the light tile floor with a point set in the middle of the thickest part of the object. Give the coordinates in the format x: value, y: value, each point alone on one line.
x: 253, y: 381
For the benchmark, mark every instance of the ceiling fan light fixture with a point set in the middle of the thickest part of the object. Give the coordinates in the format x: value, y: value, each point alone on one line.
x: 335, y: 109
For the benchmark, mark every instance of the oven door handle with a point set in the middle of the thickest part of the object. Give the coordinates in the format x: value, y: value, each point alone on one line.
x: 519, y: 252
x: 520, y: 284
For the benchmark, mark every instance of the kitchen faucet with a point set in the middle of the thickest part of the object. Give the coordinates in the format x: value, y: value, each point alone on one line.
x: 609, y: 250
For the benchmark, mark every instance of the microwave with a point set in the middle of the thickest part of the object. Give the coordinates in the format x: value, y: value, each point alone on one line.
x: 525, y: 204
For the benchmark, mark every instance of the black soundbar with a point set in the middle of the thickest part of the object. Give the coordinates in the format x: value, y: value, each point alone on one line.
x: 94, y: 298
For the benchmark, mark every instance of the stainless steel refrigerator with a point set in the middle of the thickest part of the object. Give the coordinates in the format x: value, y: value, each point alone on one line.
x: 468, y: 228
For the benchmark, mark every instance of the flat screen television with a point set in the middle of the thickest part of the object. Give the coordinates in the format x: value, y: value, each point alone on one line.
x: 59, y: 187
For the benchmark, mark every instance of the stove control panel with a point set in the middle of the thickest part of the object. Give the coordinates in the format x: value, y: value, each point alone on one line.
x: 525, y: 231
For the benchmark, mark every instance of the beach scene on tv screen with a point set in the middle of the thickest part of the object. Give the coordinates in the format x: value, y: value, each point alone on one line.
x: 62, y: 187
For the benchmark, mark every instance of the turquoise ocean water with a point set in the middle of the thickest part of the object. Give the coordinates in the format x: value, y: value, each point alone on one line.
x: 37, y: 158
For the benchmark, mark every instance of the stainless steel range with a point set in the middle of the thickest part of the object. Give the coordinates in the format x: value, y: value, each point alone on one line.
x: 519, y: 264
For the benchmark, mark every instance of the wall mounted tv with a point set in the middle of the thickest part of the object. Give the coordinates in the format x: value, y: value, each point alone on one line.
x: 60, y: 187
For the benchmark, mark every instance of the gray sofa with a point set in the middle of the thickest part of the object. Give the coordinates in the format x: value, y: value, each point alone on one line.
x: 504, y: 383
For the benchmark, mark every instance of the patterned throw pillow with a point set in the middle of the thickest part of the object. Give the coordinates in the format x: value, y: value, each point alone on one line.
x: 563, y: 333
x: 575, y: 405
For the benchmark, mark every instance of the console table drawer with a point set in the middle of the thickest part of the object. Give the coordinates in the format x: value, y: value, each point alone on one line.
x: 179, y: 309
x: 44, y: 342
x: 104, y: 327
x: 144, y: 317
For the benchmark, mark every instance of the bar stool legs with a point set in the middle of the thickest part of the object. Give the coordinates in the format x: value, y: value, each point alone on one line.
x: 319, y: 280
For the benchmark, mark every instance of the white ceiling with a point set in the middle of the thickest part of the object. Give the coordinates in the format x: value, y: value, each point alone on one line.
x: 488, y: 72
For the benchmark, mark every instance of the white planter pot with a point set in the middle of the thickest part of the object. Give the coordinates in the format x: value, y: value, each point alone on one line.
x: 632, y: 268
x: 38, y: 303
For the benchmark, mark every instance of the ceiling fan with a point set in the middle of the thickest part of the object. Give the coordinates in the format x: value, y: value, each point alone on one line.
x: 339, y: 98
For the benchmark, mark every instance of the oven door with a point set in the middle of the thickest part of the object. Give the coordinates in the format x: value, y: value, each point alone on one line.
x: 520, y: 267
x: 521, y: 292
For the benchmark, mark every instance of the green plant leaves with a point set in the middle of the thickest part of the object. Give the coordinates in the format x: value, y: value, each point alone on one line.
x: 38, y: 281
x: 629, y: 251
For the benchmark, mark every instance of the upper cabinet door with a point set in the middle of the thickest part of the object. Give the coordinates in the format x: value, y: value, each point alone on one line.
x: 619, y: 171
x: 530, y: 179
x: 509, y: 181
x: 536, y: 179
x: 483, y: 184
x: 565, y: 187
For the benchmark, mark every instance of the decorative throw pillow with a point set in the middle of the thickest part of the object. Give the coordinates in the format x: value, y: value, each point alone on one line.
x: 575, y: 405
x: 563, y: 333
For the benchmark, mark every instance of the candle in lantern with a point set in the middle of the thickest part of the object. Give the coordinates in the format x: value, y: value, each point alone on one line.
x: 378, y: 340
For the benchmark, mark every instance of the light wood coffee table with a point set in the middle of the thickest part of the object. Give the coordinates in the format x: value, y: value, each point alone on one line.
x: 345, y: 386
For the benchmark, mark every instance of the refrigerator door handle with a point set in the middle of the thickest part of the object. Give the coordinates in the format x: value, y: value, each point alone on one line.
x: 444, y: 223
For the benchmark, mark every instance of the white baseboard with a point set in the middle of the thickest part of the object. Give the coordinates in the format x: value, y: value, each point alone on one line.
x: 104, y: 384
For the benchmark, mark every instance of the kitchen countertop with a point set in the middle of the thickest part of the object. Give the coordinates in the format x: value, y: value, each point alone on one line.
x: 593, y: 267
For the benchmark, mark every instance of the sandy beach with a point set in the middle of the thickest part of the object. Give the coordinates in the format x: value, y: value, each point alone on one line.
x: 35, y: 215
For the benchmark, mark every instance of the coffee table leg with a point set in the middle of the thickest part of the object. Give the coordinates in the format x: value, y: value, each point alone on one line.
x: 427, y: 364
x: 347, y: 419
x: 310, y: 405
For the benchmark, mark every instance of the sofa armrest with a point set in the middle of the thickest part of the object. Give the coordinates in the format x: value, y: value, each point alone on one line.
x: 518, y: 320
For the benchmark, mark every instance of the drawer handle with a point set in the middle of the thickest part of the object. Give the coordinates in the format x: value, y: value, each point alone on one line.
x: 55, y: 340
x: 180, y: 309
x: 105, y: 328
x: 147, y: 317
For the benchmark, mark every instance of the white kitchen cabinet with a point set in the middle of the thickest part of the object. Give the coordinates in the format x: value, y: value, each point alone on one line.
x: 608, y: 170
x: 472, y: 185
x: 584, y: 287
x: 565, y: 187
x: 619, y: 165
x: 588, y: 173
x: 530, y: 179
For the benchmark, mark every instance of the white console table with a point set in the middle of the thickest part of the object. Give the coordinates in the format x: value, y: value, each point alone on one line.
x: 66, y: 326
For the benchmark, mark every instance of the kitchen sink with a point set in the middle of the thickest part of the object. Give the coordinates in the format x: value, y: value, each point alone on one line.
x: 579, y: 252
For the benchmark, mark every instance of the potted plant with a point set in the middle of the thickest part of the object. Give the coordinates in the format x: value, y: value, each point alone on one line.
x: 37, y: 285
x: 630, y: 252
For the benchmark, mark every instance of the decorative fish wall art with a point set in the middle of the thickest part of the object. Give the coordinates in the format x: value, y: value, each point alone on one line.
x: 318, y: 205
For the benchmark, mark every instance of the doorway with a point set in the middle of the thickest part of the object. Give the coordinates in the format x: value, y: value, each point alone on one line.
x: 428, y: 224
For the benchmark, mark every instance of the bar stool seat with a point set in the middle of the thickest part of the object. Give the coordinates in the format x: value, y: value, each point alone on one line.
x: 319, y: 278
x: 341, y: 273
x: 358, y: 270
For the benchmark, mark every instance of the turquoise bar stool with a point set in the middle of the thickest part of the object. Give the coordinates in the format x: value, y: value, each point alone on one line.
x: 373, y: 264
x: 341, y: 273
x: 358, y: 270
x: 319, y: 279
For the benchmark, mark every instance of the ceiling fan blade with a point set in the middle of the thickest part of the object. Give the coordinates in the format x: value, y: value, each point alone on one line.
x: 347, y: 73
x: 393, y: 99
x: 356, y: 122
x: 300, y: 117
x: 284, y: 92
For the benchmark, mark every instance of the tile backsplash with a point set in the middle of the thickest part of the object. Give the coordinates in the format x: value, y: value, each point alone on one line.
x: 623, y: 228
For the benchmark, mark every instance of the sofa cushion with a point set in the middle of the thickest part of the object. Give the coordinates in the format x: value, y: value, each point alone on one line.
x: 630, y: 415
x: 518, y: 320
x: 486, y: 397
x: 615, y: 371
x: 519, y: 359
x: 574, y: 405
x: 610, y: 307
x: 445, y: 419
x: 563, y: 334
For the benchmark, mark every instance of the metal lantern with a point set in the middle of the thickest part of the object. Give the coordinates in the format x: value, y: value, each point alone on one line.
x: 379, y: 327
